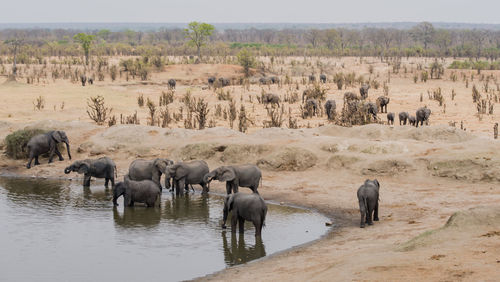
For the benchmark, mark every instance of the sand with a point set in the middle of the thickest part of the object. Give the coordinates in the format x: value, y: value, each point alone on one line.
x: 439, y: 216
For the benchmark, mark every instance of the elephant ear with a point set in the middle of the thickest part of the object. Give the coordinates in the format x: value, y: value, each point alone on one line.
x: 227, y: 175
x: 376, y: 183
x: 161, y: 165
x: 83, y: 168
x: 57, y: 136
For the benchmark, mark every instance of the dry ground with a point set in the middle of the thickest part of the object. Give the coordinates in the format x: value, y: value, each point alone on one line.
x: 426, y: 174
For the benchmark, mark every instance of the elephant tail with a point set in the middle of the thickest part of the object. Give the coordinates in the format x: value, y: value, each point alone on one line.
x: 264, y: 212
x: 365, y: 205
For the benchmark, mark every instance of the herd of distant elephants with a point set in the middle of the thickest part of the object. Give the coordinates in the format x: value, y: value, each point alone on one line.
x: 142, y: 183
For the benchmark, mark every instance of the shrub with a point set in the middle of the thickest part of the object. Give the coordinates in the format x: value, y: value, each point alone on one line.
x: 246, y: 60
x: 96, y: 109
x: 17, y: 141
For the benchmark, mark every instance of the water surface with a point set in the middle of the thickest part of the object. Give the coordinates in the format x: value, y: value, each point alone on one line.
x: 59, y: 231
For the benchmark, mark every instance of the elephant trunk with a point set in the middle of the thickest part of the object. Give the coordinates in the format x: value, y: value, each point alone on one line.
x: 67, y: 170
x: 167, y: 182
x: 67, y: 148
x: 207, y: 178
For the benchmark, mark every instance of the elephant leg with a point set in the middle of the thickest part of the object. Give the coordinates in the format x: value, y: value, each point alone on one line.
x: 375, y: 212
x: 234, y: 220
x: 241, y: 224
x: 235, y: 188
x: 59, y: 154
x: 86, y: 180
x: 36, y: 160
x: 28, y: 165
x: 362, y: 211
x: 181, y: 186
x: 369, y: 216
x: 228, y: 187
x: 258, y: 227
x: 112, y: 181
x: 106, y: 181
x: 205, y: 187
x: 51, y: 153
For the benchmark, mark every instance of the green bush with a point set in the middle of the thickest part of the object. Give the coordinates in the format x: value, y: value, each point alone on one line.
x: 15, y: 142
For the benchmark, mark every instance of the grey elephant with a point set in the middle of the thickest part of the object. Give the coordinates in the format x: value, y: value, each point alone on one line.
x: 412, y: 120
x: 150, y: 170
x: 83, y: 79
x: 382, y: 102
x: 43, y: 143
x: 274, y: 79
x: 171, y: 83
x: 211, y: 80
x: 312, y: 78
x: 368, y: 195
x: 422, y: 115
x: 270, y: 98
x: 390, y: 118
x: 351, y: 96
x: 188, y: 173
x: 236, y: 176
x: 224, y: 81
x: 330, y: 109
x: 312, y: 107
x: 101, y: 168
x: 322, y: 78
x: 403, y: 118
x: 264, y: 80
x: 371, y: 109
x: 90, y: 80
x: 363, y: 91
x: 144, y: 191
x: 243, y: 206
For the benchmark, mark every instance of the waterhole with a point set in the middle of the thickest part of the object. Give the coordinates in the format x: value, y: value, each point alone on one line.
x: 60, y: 231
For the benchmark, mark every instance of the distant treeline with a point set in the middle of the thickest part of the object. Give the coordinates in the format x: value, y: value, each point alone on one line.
x: 421, y: 40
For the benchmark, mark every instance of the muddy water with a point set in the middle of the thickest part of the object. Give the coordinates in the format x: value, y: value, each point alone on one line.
x: 59, y: 231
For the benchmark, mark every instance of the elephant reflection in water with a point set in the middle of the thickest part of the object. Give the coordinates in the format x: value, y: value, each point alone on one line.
x: 188, y: 207
x: 137, y: 217
x: 237, y: 252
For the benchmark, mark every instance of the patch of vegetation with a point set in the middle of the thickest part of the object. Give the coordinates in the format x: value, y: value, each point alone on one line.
x: 15, y: 143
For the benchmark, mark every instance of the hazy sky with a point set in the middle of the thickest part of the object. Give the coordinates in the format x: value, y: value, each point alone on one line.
x: 220, y: 11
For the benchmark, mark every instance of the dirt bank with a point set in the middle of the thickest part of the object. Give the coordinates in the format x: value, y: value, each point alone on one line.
x: 424, y: 180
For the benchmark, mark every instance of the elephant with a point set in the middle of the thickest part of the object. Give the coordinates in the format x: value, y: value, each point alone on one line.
x: 236, y: 176
x: 188, y: 173
x: 351, y: 96
x: 224, y: 81
x: 312, y: 78
x: 90, y: 80
x: 312, y: 107
x: 322, y: 78
x: 101, y: 168
x: 150, y: 170
x: 363, y: 91
x: 382, y: 102
x: 390, y: 118
x: 43, y: 143
x: 264, y: 80
x: 403, y: 117
x: 144, y: 191
x: 211, y: 80
x: 271, y: 99
x: 83, y: 79
x: 330, y: 109
x: 422, y: 115
x: 171, y: 83
x: 371, y: 108
x: 249, y: 207
x: 412, y: 120
x: 274, y: 79
x: 368, y: 201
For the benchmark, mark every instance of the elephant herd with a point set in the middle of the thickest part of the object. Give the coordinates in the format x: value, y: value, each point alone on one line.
x: 142, y: 183
x: 421, y: 115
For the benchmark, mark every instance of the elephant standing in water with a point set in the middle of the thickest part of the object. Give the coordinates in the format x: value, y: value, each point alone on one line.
x: 150, y: 170
x: 249, y: 207
x: 368, y: 201
x: 101, y: 168
x: 236, y: 176
x: 144, y: 191
x: 43, y: 143
x: 188, y: 173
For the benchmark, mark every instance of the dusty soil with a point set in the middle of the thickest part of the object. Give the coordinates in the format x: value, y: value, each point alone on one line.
x: 440, y: 217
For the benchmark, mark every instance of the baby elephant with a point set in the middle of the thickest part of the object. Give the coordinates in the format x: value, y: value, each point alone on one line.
x: 249, y: 207
x: 236, y: 176
x: 412, y: 120
x: 390, y: 118
x: 368, y: 201
x: 101, y: 168
x: 144, y: 191
x: 403, y: 118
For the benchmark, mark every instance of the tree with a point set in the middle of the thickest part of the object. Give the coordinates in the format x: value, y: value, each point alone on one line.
x: 246, y: 60
x: 86, y: 41
x: 423, y: 32
x: 331, y: 37
x: 314, y: 36
x: 16, y: 43
x: 198, y: 34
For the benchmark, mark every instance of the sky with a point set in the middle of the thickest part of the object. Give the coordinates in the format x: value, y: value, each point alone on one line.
x: 252, y: 11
